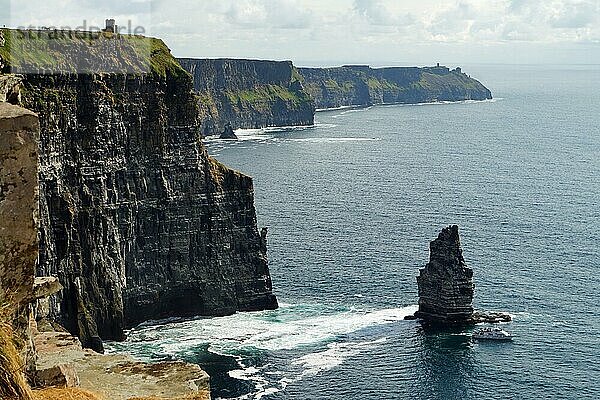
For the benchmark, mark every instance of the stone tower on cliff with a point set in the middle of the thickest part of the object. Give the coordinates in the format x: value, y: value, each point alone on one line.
x: 446, y: 283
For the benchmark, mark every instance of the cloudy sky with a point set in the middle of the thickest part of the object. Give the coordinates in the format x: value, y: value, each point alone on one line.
x: 329, y: 32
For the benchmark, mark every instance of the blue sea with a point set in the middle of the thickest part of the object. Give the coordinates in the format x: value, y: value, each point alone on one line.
x: 352, y: 204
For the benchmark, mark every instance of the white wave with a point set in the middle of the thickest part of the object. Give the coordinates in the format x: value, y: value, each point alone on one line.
x: 271, y: 129
x: 437, y: 103
x: 244, y: 374
x: 284, y: 329
x: 334, y: 356
x: 241, y: 137
x: 351, y: 111
x: 306, y: 327
x: 334, y: 140
x: 335, y: 108
x: 355, y: 108
x: 288, y: 128
x: 262, y: 386
x: 323, y: 125
x: 265, y: 392
x: 259, y: 134
x: 310, y: 364
x: 467, y: 102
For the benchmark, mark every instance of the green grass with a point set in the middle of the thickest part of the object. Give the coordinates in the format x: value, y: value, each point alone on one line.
x: 267, y: 94
x: 433, y: 81
x: 296, y: 75
x: 341, y: 86
x: 86, y: 52
x: 381, y: 84
x: 162, y: 61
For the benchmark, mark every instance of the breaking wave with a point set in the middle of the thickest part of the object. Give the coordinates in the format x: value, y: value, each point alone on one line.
x: 316, y: 334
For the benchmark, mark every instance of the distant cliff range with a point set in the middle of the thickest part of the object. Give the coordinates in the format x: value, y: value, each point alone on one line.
x: 261, y: 93
x: 361, y: 85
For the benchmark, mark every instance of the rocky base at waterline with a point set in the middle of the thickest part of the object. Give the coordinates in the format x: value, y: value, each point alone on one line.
x: 35, y: 351
x: 490, y: 317
x: 479, y: 317
x: 446, y: 286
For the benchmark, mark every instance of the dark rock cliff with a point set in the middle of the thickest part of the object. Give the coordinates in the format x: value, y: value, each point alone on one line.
x: 446, y: 283
x: 363, y: 86
x: 248, y: 94
x: 136, y: 220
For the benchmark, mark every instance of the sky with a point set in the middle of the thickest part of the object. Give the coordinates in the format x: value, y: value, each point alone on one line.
x: 334, y: 32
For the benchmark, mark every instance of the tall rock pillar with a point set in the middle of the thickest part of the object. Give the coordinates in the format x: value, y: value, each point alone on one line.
x: 446, y: 283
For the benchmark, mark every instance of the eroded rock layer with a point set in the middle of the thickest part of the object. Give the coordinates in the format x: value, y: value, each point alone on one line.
x: 446, y: 283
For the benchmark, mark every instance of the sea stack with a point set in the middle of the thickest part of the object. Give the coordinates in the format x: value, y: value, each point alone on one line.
x: 446, y: 283
x: 228, y: 133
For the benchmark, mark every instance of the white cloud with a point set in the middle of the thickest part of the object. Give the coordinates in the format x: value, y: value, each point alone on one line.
x: 335, y: 29
x: 379, y: 12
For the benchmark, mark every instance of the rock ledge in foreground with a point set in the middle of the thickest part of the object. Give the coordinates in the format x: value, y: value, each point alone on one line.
x: 119, y: 377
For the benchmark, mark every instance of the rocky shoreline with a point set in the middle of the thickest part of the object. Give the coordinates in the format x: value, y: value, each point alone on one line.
x: 136, y: 220
x: 252, y: 94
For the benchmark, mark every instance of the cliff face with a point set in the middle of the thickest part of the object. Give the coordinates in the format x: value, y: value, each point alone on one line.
x: 248, y: 94
x: 136, y: 220
x: 362, y: 85
x: 256, y: 94
x: 446, y: 283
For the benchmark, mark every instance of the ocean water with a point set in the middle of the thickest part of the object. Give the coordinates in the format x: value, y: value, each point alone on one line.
x: 351, y: 205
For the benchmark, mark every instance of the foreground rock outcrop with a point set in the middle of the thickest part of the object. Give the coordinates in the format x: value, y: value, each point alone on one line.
x: 62, y: 361
x: 361, y: 85
x: 19, y: 135
x: 19, y: 132
x: 248, y: 94
x: 136, y: 220
x: 446, y: 283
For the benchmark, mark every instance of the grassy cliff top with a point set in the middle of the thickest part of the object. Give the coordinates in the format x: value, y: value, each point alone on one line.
x: 268, y: 95
x: 58, y: 52
x: 346, y: 79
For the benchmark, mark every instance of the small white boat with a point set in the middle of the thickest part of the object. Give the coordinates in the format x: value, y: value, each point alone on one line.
x: 491, y: 334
